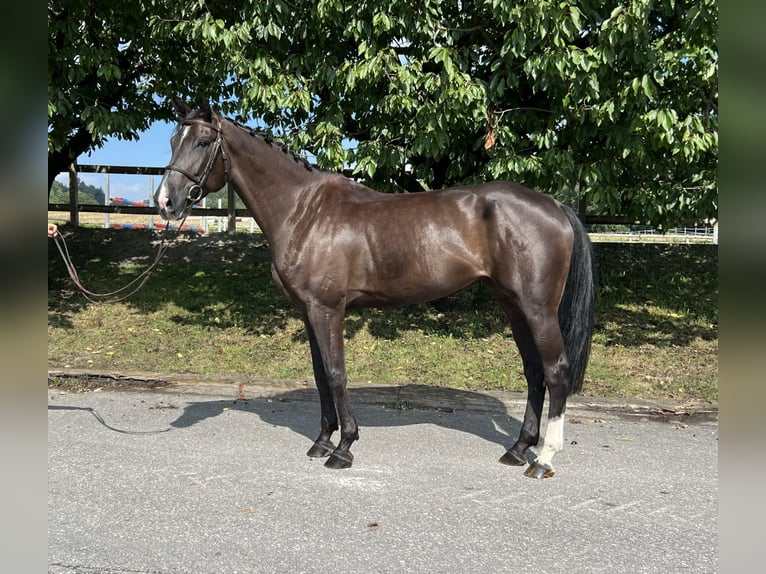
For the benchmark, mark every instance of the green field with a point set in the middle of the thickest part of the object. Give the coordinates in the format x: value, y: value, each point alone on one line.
x: 211, y: 309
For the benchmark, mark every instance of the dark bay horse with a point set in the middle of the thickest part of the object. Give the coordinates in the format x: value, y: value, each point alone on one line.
x: 337, y: 244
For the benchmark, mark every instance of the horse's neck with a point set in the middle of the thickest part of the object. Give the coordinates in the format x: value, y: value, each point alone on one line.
x: 269, y: 181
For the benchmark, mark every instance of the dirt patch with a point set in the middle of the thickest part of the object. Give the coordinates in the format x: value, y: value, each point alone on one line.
x: 89, y: 383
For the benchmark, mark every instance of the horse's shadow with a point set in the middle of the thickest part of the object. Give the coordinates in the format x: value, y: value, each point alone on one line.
x: 374, y: 407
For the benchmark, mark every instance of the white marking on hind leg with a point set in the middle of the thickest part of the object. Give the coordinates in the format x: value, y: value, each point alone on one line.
x: 553, y: 442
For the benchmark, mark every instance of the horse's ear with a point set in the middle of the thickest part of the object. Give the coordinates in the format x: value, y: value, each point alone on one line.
x: 204, y: 107
x: 181, y: 108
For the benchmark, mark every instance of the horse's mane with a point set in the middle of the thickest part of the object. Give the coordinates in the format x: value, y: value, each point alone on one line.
x: 271, y: 141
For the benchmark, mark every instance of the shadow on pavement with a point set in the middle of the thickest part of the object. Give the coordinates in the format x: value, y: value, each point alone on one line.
x: 396, y: 406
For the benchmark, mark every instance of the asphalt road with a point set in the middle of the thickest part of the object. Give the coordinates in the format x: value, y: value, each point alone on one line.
x: 196, y: 481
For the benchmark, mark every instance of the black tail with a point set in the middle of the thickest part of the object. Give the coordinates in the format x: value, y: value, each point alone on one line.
x: 578, y: 303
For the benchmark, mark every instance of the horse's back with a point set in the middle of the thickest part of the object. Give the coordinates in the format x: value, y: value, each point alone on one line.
x: 510, y: 198
x: 514, y: 200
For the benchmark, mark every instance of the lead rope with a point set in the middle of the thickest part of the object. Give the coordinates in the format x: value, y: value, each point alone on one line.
x: 101, y: 298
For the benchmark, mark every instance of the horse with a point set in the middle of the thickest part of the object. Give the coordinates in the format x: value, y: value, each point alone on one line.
x: 337, y: 244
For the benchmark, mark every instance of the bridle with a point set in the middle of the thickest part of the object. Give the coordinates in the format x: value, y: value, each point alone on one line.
x: 197, y: 190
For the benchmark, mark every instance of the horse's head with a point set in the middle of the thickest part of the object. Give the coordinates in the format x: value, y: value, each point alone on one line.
x: 197, y: 164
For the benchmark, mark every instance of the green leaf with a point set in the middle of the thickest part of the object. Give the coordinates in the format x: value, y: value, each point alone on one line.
x: 647, y: 85
x: 574, y: 14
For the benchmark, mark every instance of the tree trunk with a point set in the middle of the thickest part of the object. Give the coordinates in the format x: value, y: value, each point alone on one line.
x: 59, y: 161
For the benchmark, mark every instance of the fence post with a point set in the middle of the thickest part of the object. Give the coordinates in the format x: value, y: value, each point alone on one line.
x: 151, y: 200
x: 74, y: 211
x: 232, y: 209
x: 107, y: 199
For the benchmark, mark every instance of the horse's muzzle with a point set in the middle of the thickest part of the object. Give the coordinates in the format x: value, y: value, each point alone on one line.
x: 167, y: 208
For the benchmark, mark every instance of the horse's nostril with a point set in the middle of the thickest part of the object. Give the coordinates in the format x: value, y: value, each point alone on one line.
x: 163, y: 202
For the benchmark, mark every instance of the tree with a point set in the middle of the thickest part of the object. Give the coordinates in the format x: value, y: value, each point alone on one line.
x: 612, y: 103
x: 108, y: 74
x: 86, y: 194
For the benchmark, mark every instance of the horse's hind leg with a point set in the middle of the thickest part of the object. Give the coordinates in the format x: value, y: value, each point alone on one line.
x: 322, y: 446
x: 541, y: 345
x: 550, y: 344
x: 533, y: 372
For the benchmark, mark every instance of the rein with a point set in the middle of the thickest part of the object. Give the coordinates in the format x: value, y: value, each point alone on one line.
x: 101, y: 298
x: 195, y: 193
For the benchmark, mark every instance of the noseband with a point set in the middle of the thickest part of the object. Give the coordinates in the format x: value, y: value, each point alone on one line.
x: 197, y: 190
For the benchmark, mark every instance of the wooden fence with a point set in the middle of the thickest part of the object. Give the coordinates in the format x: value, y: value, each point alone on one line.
x: 231, y: 213
x: 74, y: 208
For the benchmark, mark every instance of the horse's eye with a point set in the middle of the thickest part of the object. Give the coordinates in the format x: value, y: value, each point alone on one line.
x: 203, y: 143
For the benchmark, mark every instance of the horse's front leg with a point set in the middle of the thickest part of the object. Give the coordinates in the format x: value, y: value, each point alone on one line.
x: 326, y: 325
x: 323, y: 445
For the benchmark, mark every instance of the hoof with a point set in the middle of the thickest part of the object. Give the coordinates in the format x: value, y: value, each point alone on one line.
x: 513, y: 459
x: 339, y: 460
x: 321, y: 449
x: 539, y: 471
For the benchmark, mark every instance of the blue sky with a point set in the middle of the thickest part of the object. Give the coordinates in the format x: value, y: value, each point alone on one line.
x: 152, y: 149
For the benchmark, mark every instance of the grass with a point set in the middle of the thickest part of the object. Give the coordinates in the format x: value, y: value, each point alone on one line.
x: 211, y: 309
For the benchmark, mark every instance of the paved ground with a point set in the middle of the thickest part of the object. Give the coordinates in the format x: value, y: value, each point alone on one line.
x: 212, y: 478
